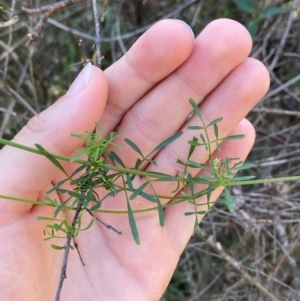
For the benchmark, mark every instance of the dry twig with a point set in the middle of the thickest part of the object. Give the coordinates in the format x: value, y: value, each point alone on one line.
x: 47, y: 11
x: 218, y: 248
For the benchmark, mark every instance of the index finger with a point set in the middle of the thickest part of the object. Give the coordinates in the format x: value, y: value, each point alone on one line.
x: 155, y: 55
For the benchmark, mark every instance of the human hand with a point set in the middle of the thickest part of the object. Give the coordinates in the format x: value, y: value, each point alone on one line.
x: 145, y: 96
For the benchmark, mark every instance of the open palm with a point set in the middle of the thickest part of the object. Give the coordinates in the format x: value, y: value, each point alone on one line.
x: 144, y: 96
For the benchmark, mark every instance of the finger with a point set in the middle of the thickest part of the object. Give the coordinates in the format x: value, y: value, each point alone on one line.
x: 180, y: 227
x: 24, y: 174
x: 156, y: 54
x: 232, y: 100
x: 149, y: 60
x: 221, y: 47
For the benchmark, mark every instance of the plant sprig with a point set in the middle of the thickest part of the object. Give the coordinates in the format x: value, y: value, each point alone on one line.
x: 105, y: 170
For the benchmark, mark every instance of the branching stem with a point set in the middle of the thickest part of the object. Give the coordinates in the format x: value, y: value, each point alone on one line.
x: 143, y: 173
x: 109, y: 227
x: 63, y: 274
x: 47, y: 11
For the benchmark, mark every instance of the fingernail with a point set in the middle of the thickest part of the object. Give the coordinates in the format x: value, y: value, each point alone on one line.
x: 188, y: 26
x: 81, y: 80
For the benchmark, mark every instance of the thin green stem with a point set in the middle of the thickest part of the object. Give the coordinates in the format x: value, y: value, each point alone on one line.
x: 23, y: 200
x: 40, y: 203
x: 131, y: 171
x: 264, y: 181
x: 36, y: 151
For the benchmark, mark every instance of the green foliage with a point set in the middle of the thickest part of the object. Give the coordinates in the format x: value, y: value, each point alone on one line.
x: 50, y: 157
x: 251, y: 7
x: 104, y: 168
x: 132, y: 223
x: 272, y: 11
x: 245, y: 5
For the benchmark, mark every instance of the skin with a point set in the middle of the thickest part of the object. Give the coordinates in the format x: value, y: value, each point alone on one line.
x: 146, y: 93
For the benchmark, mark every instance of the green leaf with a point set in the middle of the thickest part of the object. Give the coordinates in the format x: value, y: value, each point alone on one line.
x: 227, y: 162
x: 44, y: 218
x: 242, y: 178
x: 98, y: 127
x: 180, y: 162
x: 194, y: 164
x: 176, y: 188
x: 57, y: 186
x: 51, y: 158
x: 195, y: 127
x: 133, y: 146
x: 89, y: 225
x: 79, y: 153
x: 97, y: 206
x: 193, y: 146
x: 53, y: 202
x: 55, y: 247
x: 228, y: 200
x: 203, y: 180
x: 166, y: 142
x: 83, y: 178
x: 218, y: 145
x: 91, y: 195
x: 245, y: 5
x: 60, y: 207
x: 55, y: 226
x: 111, y: 137
x: 73, y: 135
x: 242, y: 167
x: 195, y: 108
x: 148, y: 197
x: 209, y: 190
x: 233, y: 137
x: 214, y: 122
x: 196, y: 224
x: 194, y: 143
x: 216, y: 130
x: 195, y: 212
x: 151, y: 161
x: 252, y: 27
x: 203, y: 139
x: 160, y: 209
x: 138, y: 191
x: 73, y: 231
x: 272, y: 11
x: 104, y: 178
x: 77, y: 195
x: 60, y: 190
x: 115, y: 158
x: 138, y: 163
x: 129, y: 182
x: 132, y: 224
x: 112, y: 193
x: 77, y: 170
x: 191, y: 183
x: 189, y: 213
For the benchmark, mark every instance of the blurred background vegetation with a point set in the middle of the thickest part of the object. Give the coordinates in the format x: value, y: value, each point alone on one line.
x: 262, y: 235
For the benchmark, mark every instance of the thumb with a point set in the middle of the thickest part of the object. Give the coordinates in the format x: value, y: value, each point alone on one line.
x: 24, y: 174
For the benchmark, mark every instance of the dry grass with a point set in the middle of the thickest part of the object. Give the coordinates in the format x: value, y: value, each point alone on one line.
x: 262, y: 235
